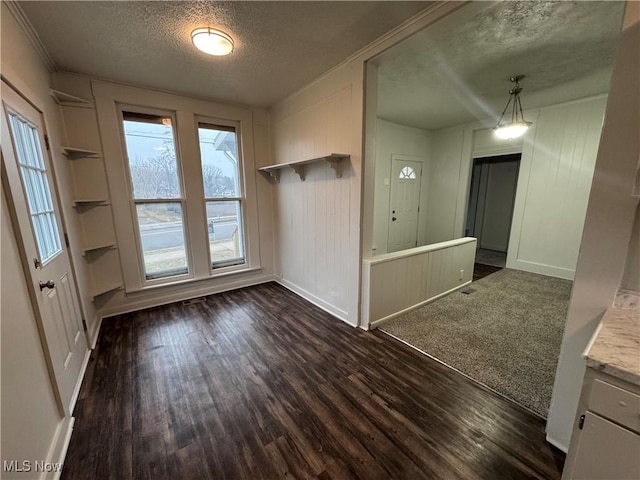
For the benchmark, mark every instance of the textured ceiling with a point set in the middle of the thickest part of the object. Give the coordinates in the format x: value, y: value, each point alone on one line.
x: 458, y: 70
x: 279, y: 46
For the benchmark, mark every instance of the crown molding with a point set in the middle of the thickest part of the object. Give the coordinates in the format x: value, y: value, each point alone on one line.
x: 25, y: 25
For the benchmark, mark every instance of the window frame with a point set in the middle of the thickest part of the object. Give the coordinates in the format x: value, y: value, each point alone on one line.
x: 213, y: 122
x: 133, y: 202
x: 108, y: 96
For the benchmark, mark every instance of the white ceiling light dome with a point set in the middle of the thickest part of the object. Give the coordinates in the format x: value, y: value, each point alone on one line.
x: 212, y: 41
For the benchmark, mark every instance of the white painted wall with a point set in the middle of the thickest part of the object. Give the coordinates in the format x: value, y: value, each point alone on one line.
x: 393, y: 139
x: 607, y: 229
x: 313, y: 238
x: 631, y: 277
x: 555, y: 178
x: 558, y: 158
x: 33, y: 426
x: 444, y: 183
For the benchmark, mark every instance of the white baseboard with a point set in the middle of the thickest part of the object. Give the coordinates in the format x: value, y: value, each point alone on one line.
x: 318, y: 302
x: 159, y: 300
x: 541, y: 269
x: 58, y: 449
x: 382, y: 320
x: 557, y: 444
x: 76, y: 388
x: 93, y: 339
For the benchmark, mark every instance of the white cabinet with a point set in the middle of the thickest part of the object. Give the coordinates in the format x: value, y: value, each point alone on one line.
x: 606, y: 439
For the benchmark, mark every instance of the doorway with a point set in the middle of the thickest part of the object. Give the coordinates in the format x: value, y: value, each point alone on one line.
x: 404, y: 204
x: 26, y: 175
x: 490, y: 210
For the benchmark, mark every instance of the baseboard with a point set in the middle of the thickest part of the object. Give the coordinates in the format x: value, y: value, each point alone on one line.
x: 542, y: 269
x: 58, y: 449
x: 76, y: 389
x: 383, y: 320
x: 158, y: 301
x: 97, y: 324
x: 318, y: 302
x: 557, y: 444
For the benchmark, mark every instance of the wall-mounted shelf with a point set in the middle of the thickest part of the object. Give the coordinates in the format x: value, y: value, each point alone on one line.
x: 73, y: 153
x: 97, y: 248
x: 68, y: 100
x: 334, y: 160
x: 90, y: 202
x: 106, y: 288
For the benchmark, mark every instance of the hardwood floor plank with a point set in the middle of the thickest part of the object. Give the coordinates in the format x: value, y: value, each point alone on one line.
x: 258, y: 383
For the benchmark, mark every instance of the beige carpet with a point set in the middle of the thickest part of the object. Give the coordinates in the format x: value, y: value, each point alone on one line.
x: 506, y: 333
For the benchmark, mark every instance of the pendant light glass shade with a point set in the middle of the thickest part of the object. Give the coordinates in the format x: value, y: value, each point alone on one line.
x: 518, y: 126
x: 211, y: 41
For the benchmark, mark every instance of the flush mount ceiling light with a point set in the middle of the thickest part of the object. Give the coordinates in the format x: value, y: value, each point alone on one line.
x: 517, y: 126
x: 212, y: 41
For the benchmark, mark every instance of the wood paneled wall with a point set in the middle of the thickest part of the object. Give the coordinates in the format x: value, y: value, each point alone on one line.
x: 312, y: 226
x: 398, y: 282
x: 555, y: 178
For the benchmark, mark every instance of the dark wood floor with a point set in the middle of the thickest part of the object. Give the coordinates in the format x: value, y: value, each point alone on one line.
x: 258, y: 383
x: 480, y: 270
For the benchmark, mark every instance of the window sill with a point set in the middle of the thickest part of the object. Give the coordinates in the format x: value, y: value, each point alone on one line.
x: 187, y: 281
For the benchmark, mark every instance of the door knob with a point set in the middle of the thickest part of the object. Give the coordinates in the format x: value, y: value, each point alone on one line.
x: 393, y: 219
x: 47, y: 284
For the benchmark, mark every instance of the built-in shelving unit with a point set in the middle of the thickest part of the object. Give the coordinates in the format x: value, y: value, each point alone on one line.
x: 90, y: 196
x: 68, y: 100
x: 333, y: 159
x: 73, y: 153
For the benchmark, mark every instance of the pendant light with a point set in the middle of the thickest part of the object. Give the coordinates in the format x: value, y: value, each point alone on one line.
x: 517, y: 126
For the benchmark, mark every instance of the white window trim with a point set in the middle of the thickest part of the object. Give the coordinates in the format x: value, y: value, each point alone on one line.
x: 133, y: 202
x: 187, y: 112
x: 243, y: 187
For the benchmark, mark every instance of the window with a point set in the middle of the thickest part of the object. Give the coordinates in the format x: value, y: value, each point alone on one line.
x: 156, y: 193
x: 35, y: 180
x: 407, y: 173
x: 223, y: 193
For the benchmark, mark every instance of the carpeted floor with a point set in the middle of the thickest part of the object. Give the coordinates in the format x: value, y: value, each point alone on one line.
x: 506, y: 333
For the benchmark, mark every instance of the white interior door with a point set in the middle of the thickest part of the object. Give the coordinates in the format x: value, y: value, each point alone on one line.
x: 404, y: 207
x: 26, y: 175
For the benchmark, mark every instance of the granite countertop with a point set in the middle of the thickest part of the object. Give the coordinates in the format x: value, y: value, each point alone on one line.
x: 615, y: 346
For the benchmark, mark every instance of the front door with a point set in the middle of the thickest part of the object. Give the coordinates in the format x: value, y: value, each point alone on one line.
x: 406, y: 179
x: 26, y: 175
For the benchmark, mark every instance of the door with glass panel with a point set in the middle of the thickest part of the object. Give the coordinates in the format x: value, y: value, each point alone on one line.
x: 26, y: 176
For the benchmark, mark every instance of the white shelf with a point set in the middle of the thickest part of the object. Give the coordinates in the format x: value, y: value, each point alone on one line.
x: 73, y: 153
x: 333, y: 159
x: 68, y: 100
x: 106, y: 288
x: 97, y: 248
x: 90, y: 202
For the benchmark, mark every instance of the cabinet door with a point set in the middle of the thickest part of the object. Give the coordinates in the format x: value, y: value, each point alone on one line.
x: 606, y: 451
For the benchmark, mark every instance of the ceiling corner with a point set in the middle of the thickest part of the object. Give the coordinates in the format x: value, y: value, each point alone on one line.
x: 25, y: 25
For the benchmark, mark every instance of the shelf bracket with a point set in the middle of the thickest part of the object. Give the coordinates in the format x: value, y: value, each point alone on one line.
x: 336, y: 165
x: 299, y: 169
x: 275, y: 174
